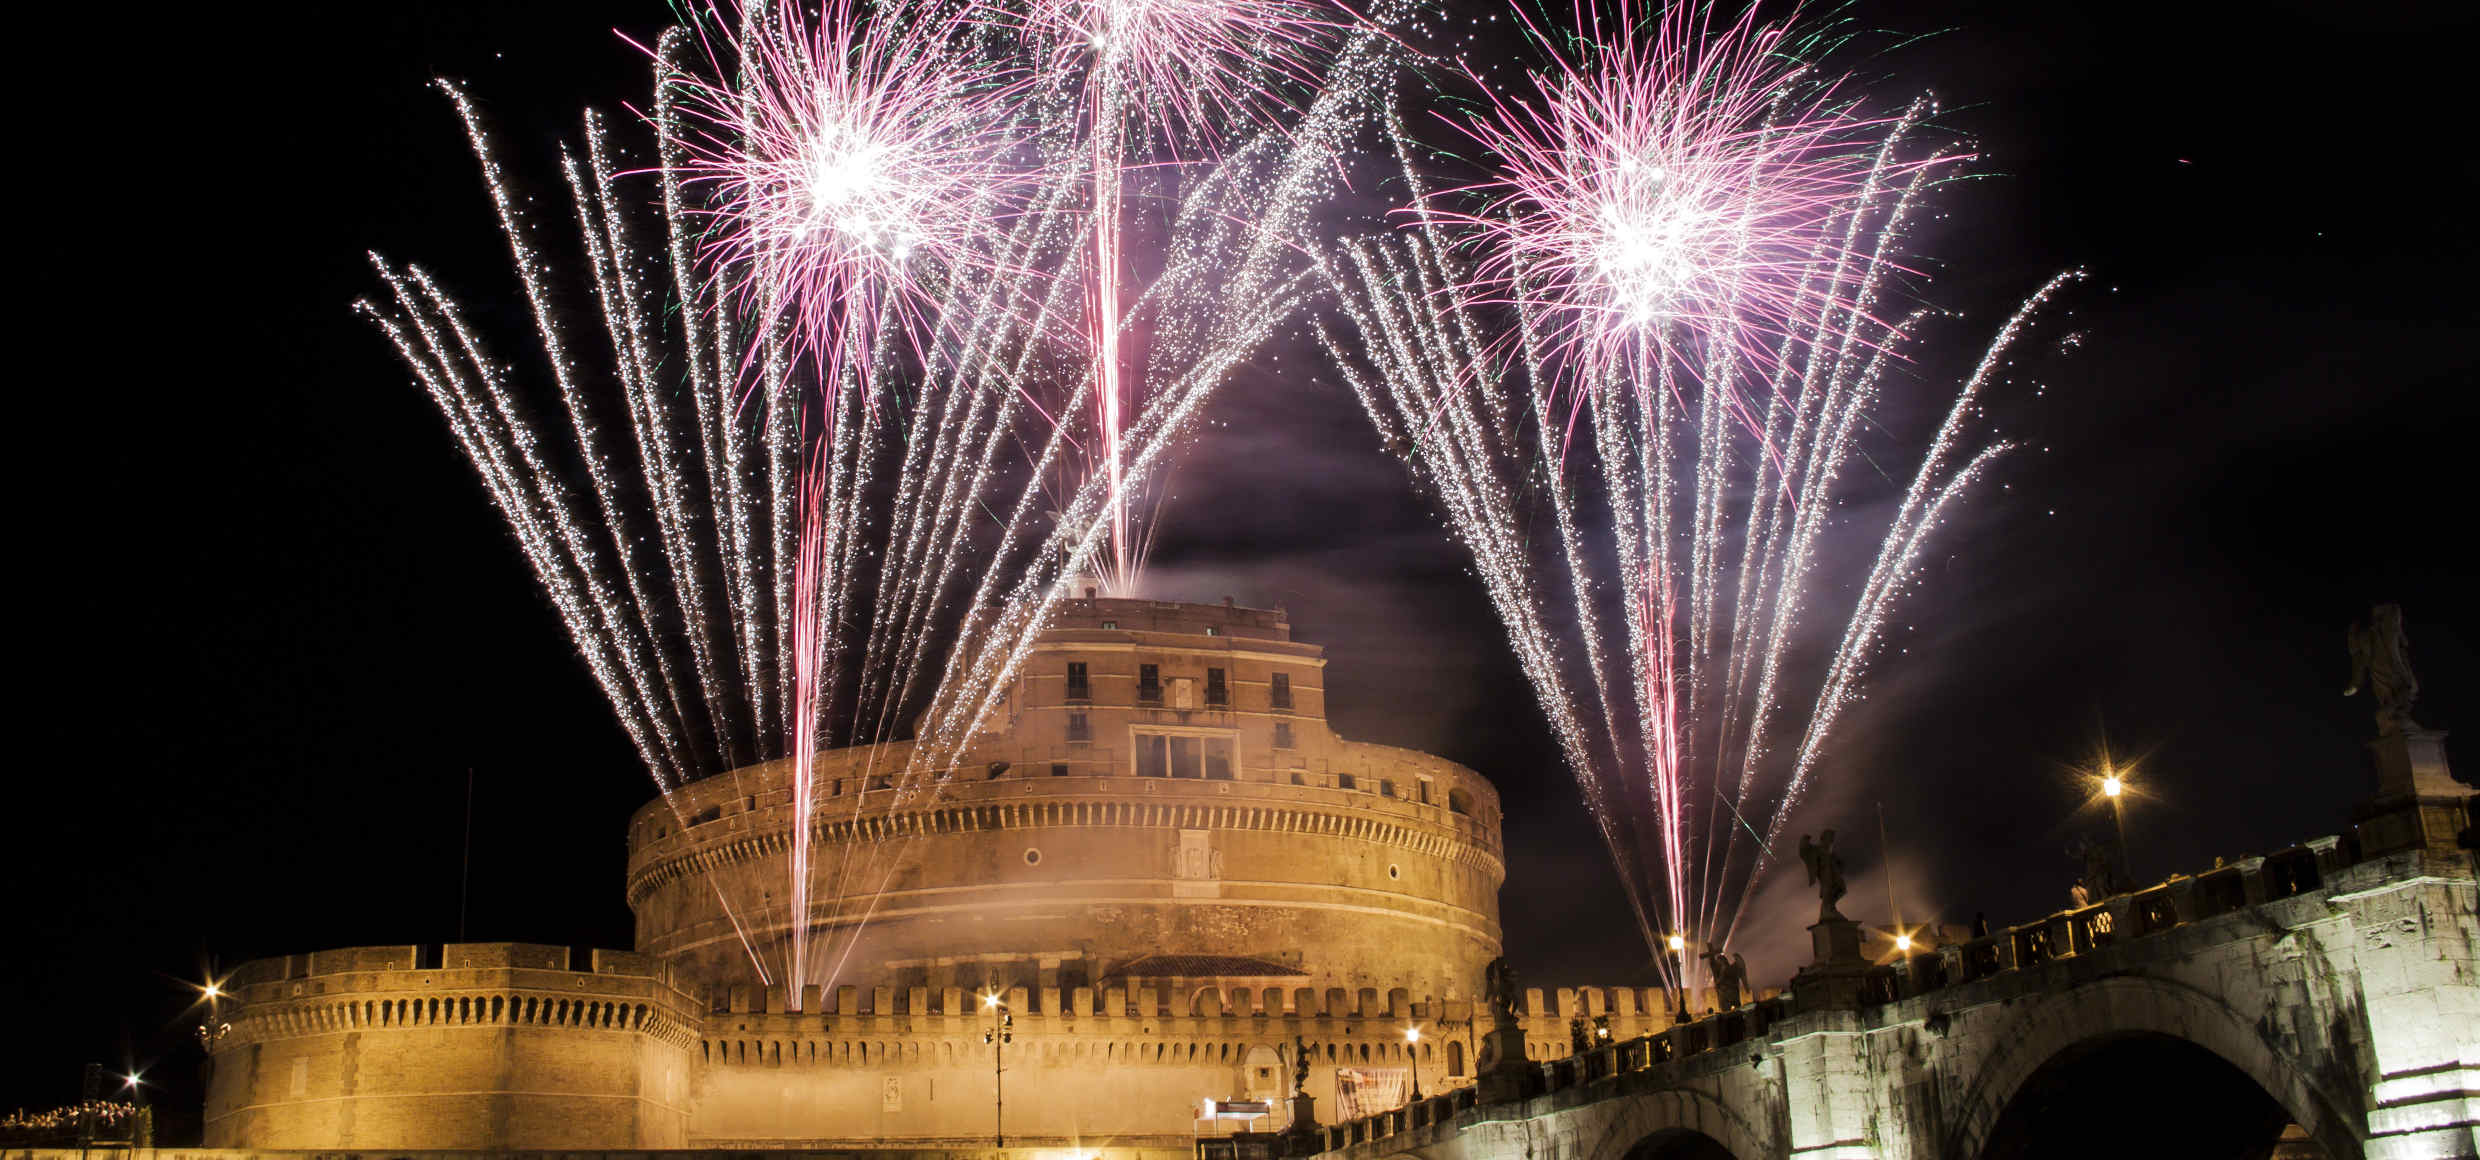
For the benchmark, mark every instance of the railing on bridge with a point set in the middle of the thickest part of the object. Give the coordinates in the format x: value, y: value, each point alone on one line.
x: 2174, y: 903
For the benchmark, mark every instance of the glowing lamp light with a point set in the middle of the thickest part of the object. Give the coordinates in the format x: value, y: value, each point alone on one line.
x: 2111, y: 786
x: 1678, y: 942
x: 213, y: 990
x: 1412, y: 1035
x: 990, y: 999
x: 130, y: 1080
x: 1903, y: 942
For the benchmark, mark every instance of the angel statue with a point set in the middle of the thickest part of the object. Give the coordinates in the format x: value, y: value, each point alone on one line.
x: 1825, y: 872
x: 2381, y: 664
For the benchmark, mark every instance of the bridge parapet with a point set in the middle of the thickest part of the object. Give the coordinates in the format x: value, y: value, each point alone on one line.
x: 2347, y: 988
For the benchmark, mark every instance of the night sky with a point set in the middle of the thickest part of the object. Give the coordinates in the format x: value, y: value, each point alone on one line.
x: 272, y: 621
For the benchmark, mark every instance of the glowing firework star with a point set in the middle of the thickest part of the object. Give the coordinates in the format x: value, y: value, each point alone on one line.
x: 1670, y: 192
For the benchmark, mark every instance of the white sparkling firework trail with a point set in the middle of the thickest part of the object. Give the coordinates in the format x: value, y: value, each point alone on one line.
x: 1674, y: 598
x: 1159, y: 76
x: 937, y: 455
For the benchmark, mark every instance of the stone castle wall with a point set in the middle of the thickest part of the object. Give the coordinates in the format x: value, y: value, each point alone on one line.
x: 473, y: 1045
x: 1162, y: 781
x: 1159, y: 857
x: 1126, y: 1065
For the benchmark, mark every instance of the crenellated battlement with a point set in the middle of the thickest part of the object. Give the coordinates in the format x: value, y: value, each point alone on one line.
x: 1146, y: 1024
x: 456, y: 985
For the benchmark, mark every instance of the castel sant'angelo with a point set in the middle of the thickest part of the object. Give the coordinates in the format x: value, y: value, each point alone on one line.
x: 1159, y: 876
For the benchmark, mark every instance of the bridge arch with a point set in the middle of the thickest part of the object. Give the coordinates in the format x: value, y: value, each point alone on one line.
x: 1674, y: 1124
x: 2128, y: 1013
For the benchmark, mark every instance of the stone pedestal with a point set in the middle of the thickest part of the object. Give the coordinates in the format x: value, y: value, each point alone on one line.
x: 1504, y: 1072
x: 1304, y: 1115
x: 1836, y: 941
x: 2418, y: 805
x: 1839, y: 978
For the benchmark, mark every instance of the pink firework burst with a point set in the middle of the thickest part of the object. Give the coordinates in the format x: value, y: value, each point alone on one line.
x: 847, y: 153
x: 1189, y: 65
x: 1679, y: 189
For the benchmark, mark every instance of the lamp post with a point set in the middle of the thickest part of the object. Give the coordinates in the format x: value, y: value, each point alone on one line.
x: 213, y: 1027
x: 1002, y: 1032
x: 1677, y: 945
x: 1412, y: 1052
x: 2114, y: 787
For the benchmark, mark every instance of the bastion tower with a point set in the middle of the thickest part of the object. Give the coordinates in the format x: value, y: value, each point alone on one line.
x: 1160, y: 792
x: 1155, y: 877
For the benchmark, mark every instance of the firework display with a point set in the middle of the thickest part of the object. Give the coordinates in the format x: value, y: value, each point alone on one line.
x: 1168, y: 74
x: 1636, y: 373
x: 808, y: 477
x: 857, y: 402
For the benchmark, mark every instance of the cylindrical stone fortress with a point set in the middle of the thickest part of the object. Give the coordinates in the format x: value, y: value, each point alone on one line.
x: 472, y: 1045
x: 1161, y: 785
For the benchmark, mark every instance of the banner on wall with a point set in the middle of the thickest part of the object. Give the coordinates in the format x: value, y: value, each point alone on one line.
x: 1366, y: 1091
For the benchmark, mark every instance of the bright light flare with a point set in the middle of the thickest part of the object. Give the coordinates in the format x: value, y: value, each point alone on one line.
x: 1903, y: 942
x: 2111, y: 784
x: 1677, y: 943
x: 1412, y: 1035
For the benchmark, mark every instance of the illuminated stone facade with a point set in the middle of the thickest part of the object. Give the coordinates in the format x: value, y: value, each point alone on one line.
x: 1161, y: 859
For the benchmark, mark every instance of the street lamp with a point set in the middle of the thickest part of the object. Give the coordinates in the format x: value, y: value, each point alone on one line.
x: 1002, y: 1032
x: 213, y: 1027
x: 2114, y: 787
x: 1412, y: 1052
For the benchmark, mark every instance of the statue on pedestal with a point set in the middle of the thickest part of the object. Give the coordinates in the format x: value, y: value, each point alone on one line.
x: 1729, y: 972
x: 1500, y: 986
x: 2381, y: 664
x: 1825, y: 872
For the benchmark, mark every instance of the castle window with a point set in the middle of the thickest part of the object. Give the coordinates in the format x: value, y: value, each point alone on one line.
x: 1213, y: 631
x: 1347, y: 781
x: 1149, y: 684
x: 1283, y: 735
x: 1424, y: 791
x: 1110, y: 624
x: 1080, y: 728
x: 1183, y: 755
x: 1079, y: 688
x: 1218, y: 691
x: 1059, y: 769
x: 1459, y: 802
x: 1386, y: 787
x: 1281, y: 693
x: 706, y: 815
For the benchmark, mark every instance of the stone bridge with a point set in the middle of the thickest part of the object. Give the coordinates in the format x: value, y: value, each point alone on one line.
x: 2319, y: 1000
